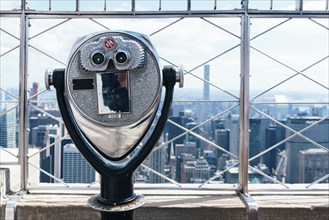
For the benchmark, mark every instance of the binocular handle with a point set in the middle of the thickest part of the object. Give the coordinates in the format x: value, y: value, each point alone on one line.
x: 103, y: 165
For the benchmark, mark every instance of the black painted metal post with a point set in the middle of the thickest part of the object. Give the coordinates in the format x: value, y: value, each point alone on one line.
x: 116, y: 189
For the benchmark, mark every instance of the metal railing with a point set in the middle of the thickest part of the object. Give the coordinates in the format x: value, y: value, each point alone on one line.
x: 217, y: 11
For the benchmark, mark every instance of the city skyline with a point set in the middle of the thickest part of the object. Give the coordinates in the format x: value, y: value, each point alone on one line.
x: 182, y: 161
x: 291, y: 68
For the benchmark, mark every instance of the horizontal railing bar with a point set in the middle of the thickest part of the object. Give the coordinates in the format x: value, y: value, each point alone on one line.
x: 159, y: 186
x: 293, y: 103
x: 50, y: 188
x: 177, y: 13
x: 93, y: 14
x: 194, y: 100
x: 9, y: 101
x: 232, y: 101
x: 9, y: 163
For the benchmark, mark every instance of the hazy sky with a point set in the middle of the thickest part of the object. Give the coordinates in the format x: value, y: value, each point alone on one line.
x: 293, y: 46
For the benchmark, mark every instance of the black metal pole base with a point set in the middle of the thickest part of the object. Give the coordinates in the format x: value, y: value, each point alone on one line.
x: 116, y: 212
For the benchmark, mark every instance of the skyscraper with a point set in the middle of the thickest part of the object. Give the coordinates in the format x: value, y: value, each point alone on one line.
x: 206, y: 76
x: 234, y: 125
x: 157, y: 163
x: 75, y: 168
x: 222, y: 139
x: 34, y: 94
x: 203, y: 108
x: 318, y: 133
x: 50, y: 159
x: 7, y: 125
x: 201, y: 171
x: 187, y: 168
x: 313, y: 165
x: 7, y: 121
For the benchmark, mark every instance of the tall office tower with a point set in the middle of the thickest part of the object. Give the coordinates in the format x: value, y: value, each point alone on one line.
x: 204, y: 110
x: 234, y: 126
x: 273, y: 134
x: 75, y: 168
x: 206, y: 77
x: 182, y: 149
x: 157, y: 163
x: 212, y: 160
x: 187, y: 168
x: 313, y: 165
x: 216, y: 124
x: 201, y: 171
x: 318, y: 133
x: 270, y: 139
x: 7, y: 125
x: 187, y: 147
x: 7, y: 121
x: 37, y: 118
x: 50, y: 159
x: 257, y: 128
x: 34, y: 94
x: 222, y: 139
x: 177, y: 108
x: 191, y: 138
x: 173, y: 131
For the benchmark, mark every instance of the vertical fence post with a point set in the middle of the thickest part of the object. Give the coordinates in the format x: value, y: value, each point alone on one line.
x: 23, y: 99
x: 244, y: 103
x: 77, y: 5
x: 133, y: 5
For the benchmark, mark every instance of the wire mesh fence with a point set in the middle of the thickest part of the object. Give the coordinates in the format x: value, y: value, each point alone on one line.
x: 287, y: 101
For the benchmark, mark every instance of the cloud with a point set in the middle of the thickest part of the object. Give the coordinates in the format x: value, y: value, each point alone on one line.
x: 191, y: 42
x: 10, y: 4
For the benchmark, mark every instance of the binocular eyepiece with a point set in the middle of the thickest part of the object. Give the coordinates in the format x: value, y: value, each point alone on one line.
x: 109, y: 94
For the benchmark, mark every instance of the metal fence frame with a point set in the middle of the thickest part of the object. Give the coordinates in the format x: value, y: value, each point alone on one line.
x: 245, y: 102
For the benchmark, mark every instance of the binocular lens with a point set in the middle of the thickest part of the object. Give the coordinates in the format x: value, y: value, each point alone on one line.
x: 98, y: 58
x: 121, y: 57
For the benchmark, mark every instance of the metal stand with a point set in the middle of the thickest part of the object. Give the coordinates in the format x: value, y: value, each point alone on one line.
x: 117, y: 199
x: 116, y: 211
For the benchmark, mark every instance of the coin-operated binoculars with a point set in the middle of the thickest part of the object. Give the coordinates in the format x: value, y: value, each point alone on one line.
x: 108, y: 96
